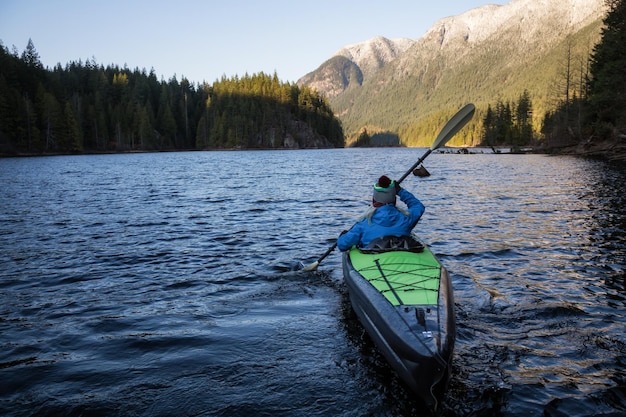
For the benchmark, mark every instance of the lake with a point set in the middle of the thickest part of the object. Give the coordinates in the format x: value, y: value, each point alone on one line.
x: 164, y: 284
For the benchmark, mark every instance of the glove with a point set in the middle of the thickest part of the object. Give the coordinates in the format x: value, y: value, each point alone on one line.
x: 343, y: 233
x: 398, y: 188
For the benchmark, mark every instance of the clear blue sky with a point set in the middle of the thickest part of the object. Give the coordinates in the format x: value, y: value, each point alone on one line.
x: 203, y: 40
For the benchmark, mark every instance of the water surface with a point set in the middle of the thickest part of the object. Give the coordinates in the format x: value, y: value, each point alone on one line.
x: 162, y: 284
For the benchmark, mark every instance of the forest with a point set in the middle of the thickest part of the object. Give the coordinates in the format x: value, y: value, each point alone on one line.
x: 598, y: 112
x: 509, y: 123
x: 86, y: 107
x: 593, y: 103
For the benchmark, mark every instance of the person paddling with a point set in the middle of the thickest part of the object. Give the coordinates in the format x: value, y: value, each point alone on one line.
x: 383, y: 218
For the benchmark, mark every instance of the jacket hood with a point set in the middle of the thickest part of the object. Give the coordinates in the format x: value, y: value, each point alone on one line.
x: 386, y: 215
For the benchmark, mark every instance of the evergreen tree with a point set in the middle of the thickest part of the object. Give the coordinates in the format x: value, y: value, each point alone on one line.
x: 489, y: 127
x: 30, y: 56
x: 607, y: 84
x: 5, y: 112
x: 166, y: 122
x: 31, y: 132
x: 364, y: 139
x: 51, y: 121
x: 141, y: 123
x: 523, y: 134
x: 73, y: 141
x: 202, y: 134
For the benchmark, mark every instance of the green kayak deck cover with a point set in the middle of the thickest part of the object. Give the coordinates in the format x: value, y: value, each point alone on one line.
x: 404, y: 278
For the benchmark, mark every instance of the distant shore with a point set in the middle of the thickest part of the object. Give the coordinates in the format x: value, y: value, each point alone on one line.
x: 611, y: 150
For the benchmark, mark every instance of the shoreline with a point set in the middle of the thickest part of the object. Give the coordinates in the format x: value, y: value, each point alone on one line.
x: 610, y: 150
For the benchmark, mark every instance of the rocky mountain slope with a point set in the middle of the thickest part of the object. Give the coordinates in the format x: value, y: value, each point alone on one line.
x: 354, y: 63
x: 486, y: 54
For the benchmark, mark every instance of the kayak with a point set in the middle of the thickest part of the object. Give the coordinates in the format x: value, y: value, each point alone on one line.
x: 403, y: 297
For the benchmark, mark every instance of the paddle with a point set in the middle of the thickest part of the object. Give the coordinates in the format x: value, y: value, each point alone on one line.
x: 450, y: 129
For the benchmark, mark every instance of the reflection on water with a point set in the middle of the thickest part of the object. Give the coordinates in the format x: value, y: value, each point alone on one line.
x: 160, y: 284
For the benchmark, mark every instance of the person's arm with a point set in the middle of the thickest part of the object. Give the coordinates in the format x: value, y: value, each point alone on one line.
x: 416, y: 208
x: 349, y: 238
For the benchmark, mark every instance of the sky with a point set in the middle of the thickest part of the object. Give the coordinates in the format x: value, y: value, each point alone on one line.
x: 206, y: 40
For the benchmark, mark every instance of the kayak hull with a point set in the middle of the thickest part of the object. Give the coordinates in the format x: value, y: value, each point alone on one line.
x: 404, y: 300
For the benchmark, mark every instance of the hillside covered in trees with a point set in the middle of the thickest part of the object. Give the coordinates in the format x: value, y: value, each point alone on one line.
x: 86, y: 107
x: 594, y: 121
x: 590, y: 115
x: 543, y: 74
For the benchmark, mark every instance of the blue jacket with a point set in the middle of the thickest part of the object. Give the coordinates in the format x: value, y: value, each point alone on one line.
x: 386, y: 221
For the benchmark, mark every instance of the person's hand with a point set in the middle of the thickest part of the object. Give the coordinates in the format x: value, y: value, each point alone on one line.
x: 398, y: 188
x: 343, y: 233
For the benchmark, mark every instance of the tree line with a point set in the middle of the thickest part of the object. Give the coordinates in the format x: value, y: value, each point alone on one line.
x: 597, y: 109
x: 590, y: 96
x: 377, y: 139
x: 509, y: 123
x: 86, y: 107
x: 261, y: 112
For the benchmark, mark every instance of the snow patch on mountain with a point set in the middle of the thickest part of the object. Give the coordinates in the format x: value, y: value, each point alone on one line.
x: 375, y: 53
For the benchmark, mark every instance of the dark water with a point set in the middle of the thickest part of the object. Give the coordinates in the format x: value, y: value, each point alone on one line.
x: 161, y: 284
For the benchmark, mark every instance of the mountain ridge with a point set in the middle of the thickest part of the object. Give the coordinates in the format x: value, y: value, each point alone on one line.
x: 354, y: 63
x: 461, y: 58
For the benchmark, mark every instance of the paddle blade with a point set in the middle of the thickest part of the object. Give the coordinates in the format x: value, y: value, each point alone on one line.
x: 456, y: 123
x: 421, y: 171
x: 311, y: 267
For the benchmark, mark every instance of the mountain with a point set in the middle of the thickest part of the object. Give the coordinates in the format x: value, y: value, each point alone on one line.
x: 487, y: 54
x: 354, y: 63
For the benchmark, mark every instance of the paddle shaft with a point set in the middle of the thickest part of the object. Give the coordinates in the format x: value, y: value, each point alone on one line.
x: 332, y: 248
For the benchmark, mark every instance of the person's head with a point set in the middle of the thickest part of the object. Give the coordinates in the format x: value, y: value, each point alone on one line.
x: 384, y: 192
